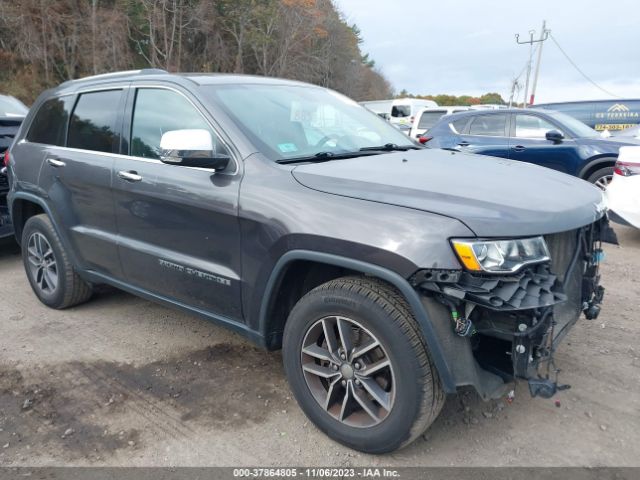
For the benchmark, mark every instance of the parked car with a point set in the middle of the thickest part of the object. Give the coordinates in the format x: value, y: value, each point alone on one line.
x: 601, y: 115
x: 12, y: 112
x: 399, y: 111
x: 623, y: 193
x: 390, y: 274
x: 546, y: 138
x: 427, y: 118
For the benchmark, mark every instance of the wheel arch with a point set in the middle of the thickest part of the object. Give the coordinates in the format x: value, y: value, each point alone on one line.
x: 603, y: 161
x: 23, y: 207
x: 271, y: 328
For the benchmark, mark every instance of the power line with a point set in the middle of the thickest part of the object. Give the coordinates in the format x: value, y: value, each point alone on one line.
x: 580, y: 71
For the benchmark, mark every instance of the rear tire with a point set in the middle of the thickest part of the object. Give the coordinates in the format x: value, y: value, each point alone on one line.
x: 49, y: 271
x: 409, y: 388
x: 601, y: 178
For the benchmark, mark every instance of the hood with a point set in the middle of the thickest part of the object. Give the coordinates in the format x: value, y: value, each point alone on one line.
x: 492, y: 196
x: 609, y: 144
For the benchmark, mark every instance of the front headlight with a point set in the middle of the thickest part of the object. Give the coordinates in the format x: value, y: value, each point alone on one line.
x: 500, y: 256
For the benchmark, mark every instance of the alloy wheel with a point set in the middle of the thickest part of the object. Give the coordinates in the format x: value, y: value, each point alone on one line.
x: 348, y: 371
x: 43, y: 267
x: 603, y: 182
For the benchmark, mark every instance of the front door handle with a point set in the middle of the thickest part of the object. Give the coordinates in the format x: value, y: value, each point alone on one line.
x: 55, y: 163
x: 464, y: 144
x: 129, y: 176
x: 519, y: 148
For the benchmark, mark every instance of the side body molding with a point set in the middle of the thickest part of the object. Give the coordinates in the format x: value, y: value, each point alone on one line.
x: 421, y: 315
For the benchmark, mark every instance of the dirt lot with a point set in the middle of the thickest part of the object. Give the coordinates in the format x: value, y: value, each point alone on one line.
x: 120, y: 381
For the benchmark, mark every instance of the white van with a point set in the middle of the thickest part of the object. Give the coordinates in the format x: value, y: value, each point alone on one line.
x: 400, y: 111
x: 427, y: 118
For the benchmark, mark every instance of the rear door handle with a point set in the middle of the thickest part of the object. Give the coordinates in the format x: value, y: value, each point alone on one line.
x: 129, y: 176
x: 518, y: 148
x: 464, y: 144
x: 55, y: 163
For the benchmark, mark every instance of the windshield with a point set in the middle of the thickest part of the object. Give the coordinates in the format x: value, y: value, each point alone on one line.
x: 578, y: 128
x: 12, y: 107
x: 287, y: 122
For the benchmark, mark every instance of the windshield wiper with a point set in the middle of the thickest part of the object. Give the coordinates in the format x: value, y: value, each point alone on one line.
x: 324, y: 157
x: 390, y: 147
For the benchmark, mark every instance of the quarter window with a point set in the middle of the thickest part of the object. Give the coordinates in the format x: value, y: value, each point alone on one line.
x: 50, y: 123
x: 158, y: 111
x: 93, y: 123
x: 429, y: 119
x: 532, y: 126
x: 488, y: 125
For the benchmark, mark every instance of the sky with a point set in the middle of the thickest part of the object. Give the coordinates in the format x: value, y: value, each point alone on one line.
x: 469, y: 47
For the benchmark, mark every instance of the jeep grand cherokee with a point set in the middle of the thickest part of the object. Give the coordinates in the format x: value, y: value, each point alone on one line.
x: 389, y: 274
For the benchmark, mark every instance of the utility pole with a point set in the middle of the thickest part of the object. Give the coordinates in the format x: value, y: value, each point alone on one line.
x: 515, y: 86
x: 543, y: 36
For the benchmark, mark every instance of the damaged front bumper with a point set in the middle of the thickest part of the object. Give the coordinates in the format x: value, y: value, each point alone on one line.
x: 502, y: 327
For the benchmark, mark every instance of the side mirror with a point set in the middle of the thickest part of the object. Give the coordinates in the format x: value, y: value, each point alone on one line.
x: 554, y: 136
x: 191, y: 148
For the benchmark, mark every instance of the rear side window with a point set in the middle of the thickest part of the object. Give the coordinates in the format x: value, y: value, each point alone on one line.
x: 93, y: 123
x: 488, y: 125
x: 50, y: 123
x: 429, y: 119
x: 458, y: 125
x: 401, y: 111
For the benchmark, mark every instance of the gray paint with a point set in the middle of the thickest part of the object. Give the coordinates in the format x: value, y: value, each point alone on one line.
x: 216, y: 244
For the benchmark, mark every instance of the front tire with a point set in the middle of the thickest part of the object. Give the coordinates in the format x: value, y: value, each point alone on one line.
x: 601, y: 178
x: 358, y: 365
x: 49, y: 271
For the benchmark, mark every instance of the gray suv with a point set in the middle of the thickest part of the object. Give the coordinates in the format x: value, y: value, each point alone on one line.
x: 389, y: 274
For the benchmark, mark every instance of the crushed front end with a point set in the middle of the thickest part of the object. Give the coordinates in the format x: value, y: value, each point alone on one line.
x: 507, y: 326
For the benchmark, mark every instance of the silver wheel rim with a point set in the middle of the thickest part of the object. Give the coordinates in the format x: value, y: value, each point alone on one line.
x: 603, y: 182
x: 348, y: 371
x: 43, y: 267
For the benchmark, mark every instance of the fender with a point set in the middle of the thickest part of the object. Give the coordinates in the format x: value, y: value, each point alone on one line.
x: 606, y: 158
x: 21, y: 195
x: 424, y: 321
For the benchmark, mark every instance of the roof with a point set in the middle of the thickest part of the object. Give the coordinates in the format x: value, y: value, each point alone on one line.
x: 193, y: 78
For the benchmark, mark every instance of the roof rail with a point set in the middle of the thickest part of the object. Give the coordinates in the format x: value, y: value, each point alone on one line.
x: 144, y: 71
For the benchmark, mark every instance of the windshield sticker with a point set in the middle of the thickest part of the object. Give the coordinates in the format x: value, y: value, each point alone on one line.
x: 287, y: 147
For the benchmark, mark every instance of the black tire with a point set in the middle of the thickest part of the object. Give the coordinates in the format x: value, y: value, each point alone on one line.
x: 381, y: 309
x: 601, y: 177
x: 69, y: 289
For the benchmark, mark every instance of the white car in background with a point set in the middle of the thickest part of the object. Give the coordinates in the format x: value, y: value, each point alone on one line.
x: 427, y: 118
x: 623, y: 193
x: 399, y: 111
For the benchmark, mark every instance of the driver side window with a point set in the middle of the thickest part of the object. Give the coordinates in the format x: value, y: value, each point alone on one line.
x: 158, y: 111
x: 532, y: 126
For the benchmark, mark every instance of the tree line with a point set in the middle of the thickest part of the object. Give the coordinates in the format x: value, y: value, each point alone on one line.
x: 462, y: 100
x: 43, y: 43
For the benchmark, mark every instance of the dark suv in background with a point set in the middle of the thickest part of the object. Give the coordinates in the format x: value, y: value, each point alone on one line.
x: 390, y: 274
x: 550, y: 139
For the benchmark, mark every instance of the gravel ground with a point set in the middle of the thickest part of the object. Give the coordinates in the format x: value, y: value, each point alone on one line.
x: 121, y: 381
